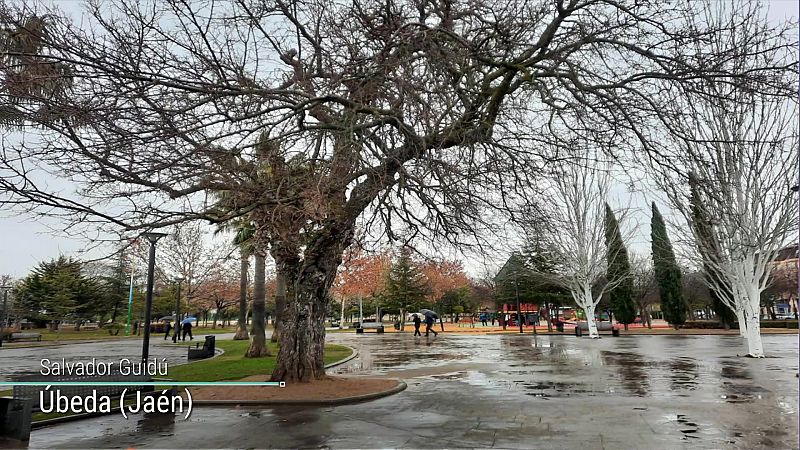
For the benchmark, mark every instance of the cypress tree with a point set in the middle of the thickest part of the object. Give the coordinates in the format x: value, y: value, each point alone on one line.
x: 668, y: 274
x: 619, y: 271
x: 709, y: 251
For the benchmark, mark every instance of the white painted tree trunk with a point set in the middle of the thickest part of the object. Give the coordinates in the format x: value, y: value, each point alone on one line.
x: 341, y: 321
x: 753, y: 335
x: 742, y: 322
x: 752, y: 316
x: 590, y: 320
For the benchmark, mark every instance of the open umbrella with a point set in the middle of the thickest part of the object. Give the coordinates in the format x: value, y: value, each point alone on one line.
x: 428, y: 313
x: 188, y: 319
x: 433, y: 315
x: 412, y: 315
x: 167, y: 319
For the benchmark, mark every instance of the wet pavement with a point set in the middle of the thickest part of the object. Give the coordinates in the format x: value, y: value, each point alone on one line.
x: 15, y: 361
x: 509, y: 391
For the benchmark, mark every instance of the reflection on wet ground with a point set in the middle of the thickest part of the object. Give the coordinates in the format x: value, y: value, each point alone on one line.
x: 511, y: 391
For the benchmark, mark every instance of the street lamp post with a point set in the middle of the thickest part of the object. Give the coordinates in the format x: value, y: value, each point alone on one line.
x: 796, y: 188
x: 5, y: 308
x: 516, y: 292
x: 178, y: 302
x: 151, y: 264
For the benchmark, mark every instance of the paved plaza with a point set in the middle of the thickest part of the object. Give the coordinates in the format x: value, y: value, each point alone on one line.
x: 509, y: 391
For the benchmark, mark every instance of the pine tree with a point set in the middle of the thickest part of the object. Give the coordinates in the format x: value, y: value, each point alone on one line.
x: 619, y: 272
x: 56, y: 290
x: 709, y: 251
x: 667, y: 272
x: 406, y: 285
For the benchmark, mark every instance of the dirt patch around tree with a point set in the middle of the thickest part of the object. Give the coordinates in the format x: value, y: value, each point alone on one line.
x: 325, y: 390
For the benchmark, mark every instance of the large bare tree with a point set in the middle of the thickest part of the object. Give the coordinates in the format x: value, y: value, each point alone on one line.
x: 323, y: 116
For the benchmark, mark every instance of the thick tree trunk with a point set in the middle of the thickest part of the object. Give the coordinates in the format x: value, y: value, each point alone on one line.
x: 302, y: 338
x: 258, y: 342
x: 280, y: 305
x: 241, y: 328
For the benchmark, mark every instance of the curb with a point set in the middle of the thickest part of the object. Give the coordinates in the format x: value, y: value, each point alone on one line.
x: 401, y: 386
x: 352, y: 356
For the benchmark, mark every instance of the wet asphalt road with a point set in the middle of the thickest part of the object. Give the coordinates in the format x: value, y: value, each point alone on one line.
x: 509, y: 391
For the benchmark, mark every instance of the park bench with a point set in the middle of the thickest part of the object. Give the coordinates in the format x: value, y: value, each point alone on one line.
x: 377, y: 326
x: 16, y: 411
x: 583, y: 327
x: 209, y: 347
x: 25, y: 337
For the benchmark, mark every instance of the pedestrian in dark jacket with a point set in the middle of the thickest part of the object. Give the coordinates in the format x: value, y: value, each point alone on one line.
x: 177, y: 334
x: 429, y: 326
x: 417, y: 323
x: 187, y: 329
x: 168, y: 328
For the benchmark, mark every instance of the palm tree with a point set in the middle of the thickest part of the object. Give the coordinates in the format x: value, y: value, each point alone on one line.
x: 244, y: 241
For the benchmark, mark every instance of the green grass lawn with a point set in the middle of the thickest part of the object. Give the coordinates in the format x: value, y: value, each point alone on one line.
x: 232, y: 365
x: 68, y: 334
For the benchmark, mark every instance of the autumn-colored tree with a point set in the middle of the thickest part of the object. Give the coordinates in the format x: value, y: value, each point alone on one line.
x: 361, y: 276
x: 219, y: 292
x: 444, y: 276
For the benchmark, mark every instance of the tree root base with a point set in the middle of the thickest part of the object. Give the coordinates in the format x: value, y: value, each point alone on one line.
x: 241, y: 335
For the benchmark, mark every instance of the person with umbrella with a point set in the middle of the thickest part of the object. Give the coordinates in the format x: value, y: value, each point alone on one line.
x: 187, y: 328
x: 430, y: 318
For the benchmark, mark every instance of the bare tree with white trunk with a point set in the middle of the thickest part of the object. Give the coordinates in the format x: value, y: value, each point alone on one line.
x: 734, y: 160
x: 575, y: 226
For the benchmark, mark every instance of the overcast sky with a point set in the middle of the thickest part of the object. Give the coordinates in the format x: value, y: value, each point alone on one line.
x: 25, y: 240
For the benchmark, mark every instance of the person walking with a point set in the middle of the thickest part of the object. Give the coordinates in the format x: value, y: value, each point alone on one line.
x: 429, y: 326
x: 417, y: 323
x: 177, y: 334
x: 483, y: 319
x: 168, y: 328
x: 187, y: 329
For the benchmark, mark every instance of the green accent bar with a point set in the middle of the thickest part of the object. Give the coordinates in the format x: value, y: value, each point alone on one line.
x: 143, y: 383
